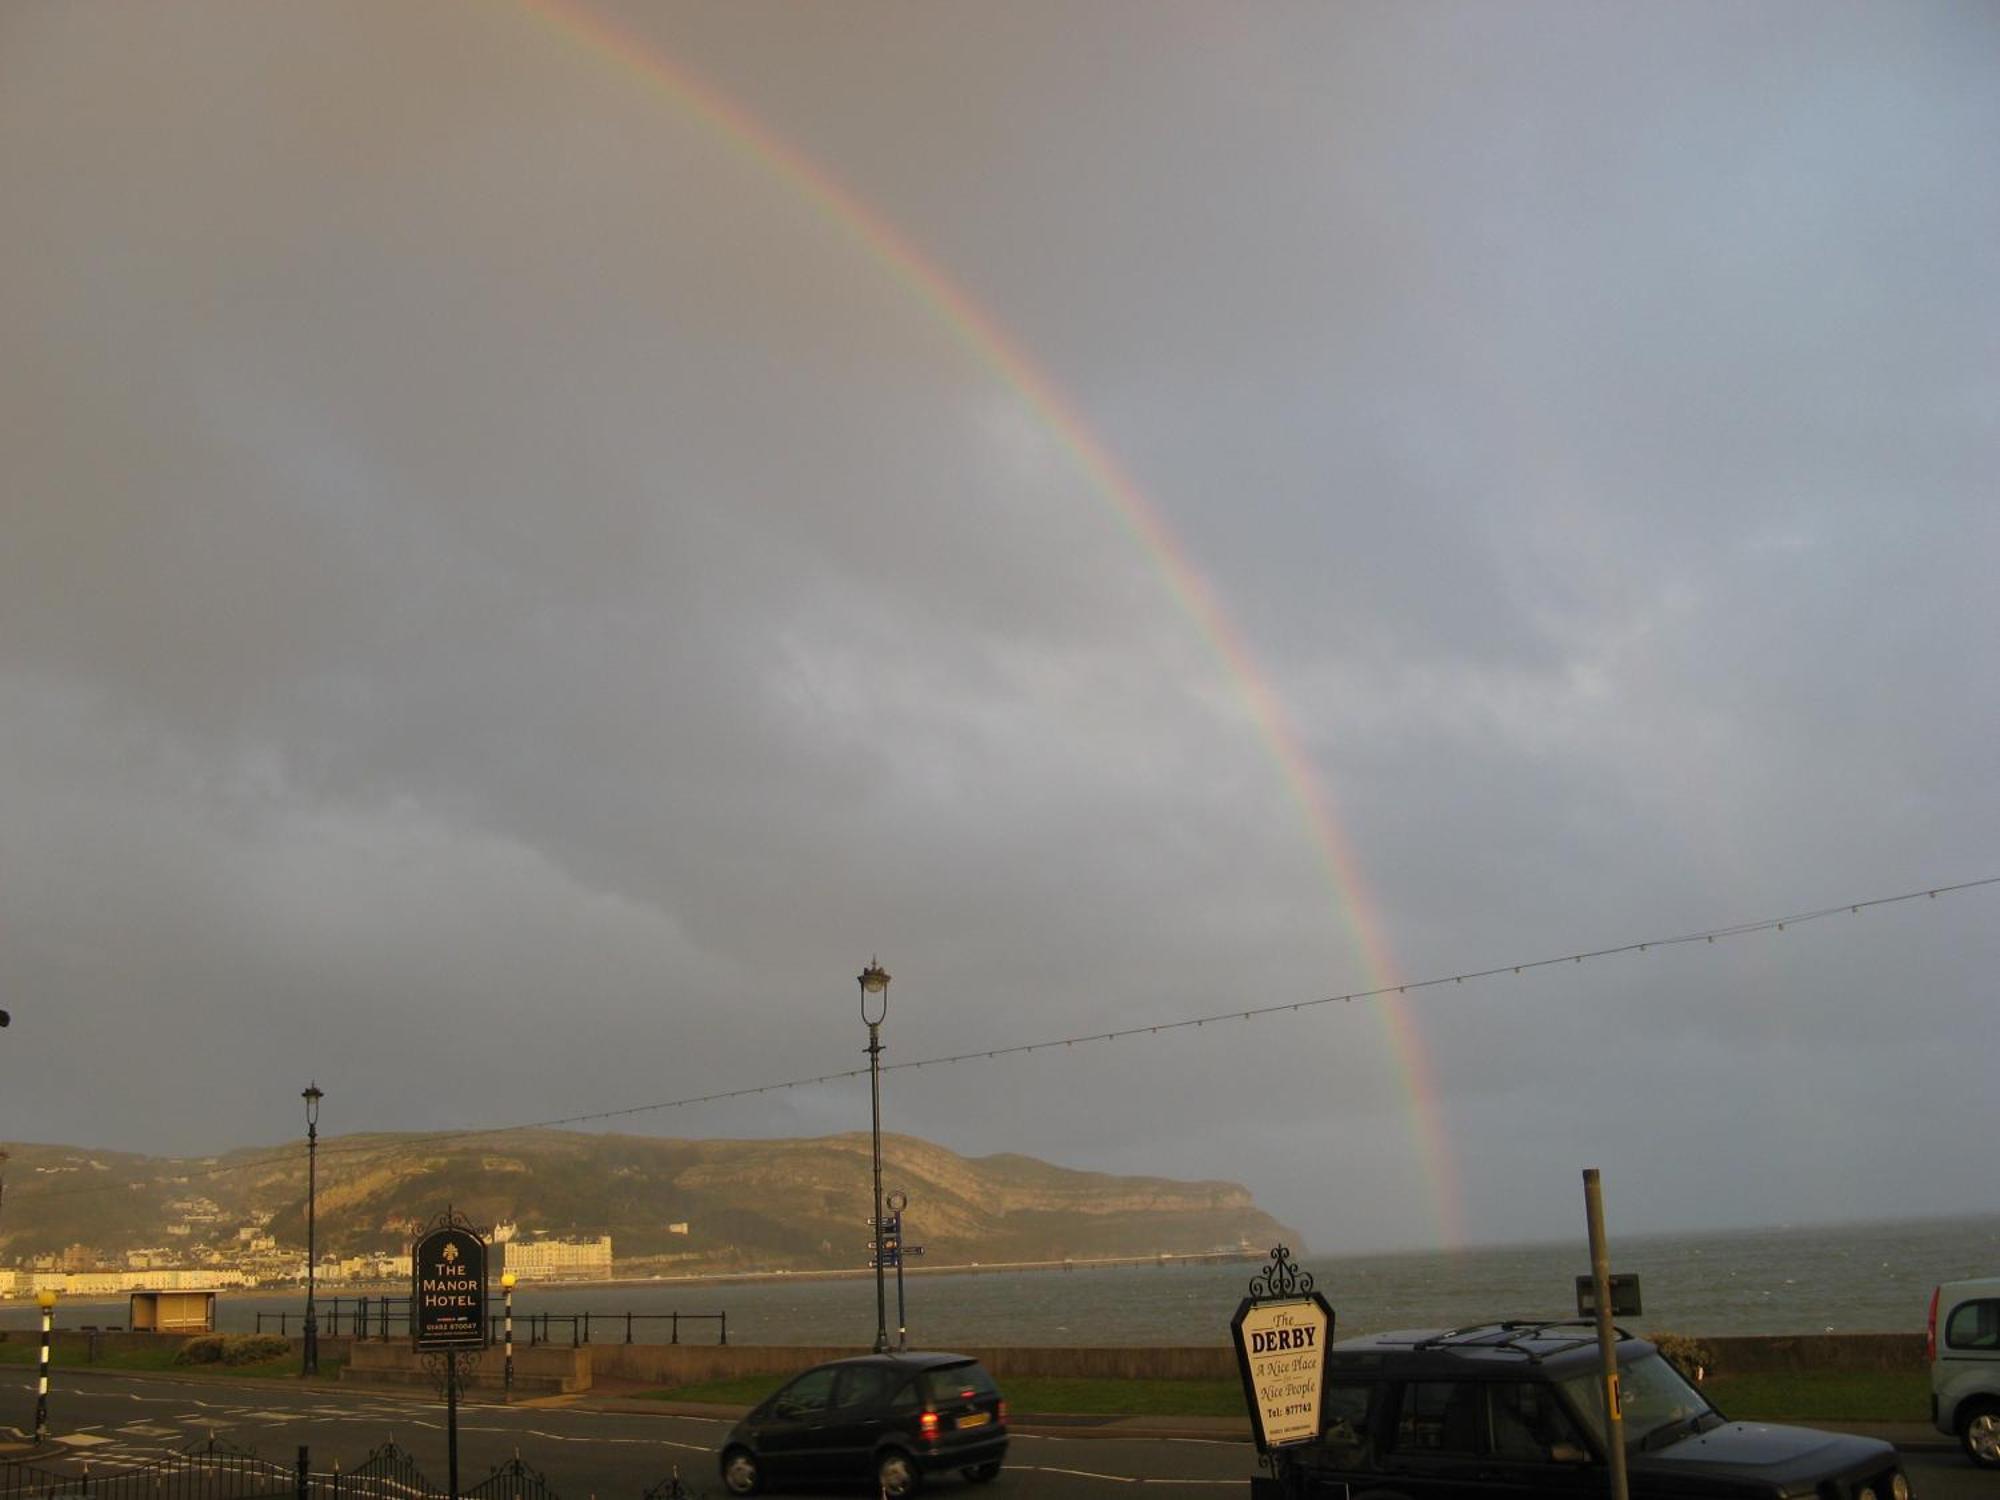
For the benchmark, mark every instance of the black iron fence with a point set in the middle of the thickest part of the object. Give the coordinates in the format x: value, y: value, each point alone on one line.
x: 215, y: 1470
x: 211, y: 1470
x: 387, y: 1317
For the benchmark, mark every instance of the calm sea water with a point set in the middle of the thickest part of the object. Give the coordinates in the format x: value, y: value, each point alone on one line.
x: 1857, y: 1278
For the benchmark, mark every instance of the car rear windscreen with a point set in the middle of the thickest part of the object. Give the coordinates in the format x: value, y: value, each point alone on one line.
x: 959, y: 1383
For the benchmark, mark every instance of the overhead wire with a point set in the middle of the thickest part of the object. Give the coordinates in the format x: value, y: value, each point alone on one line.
x: 287, y: 1156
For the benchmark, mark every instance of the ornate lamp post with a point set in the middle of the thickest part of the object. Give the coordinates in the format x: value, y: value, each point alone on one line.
x: 312, y: 1095
x: 874, y: 981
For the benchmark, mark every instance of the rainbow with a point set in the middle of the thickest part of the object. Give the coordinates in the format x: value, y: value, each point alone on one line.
x: 988, y: 343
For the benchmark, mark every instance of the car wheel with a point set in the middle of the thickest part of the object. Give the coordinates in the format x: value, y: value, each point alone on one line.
x: 983, y: 1473
x: 740, y: 1474
x: 1979, y: 1431
x: 897, y: 1474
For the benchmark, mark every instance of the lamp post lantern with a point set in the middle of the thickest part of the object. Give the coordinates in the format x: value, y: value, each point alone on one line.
x: 874, y: 981
x: 312, y: 1095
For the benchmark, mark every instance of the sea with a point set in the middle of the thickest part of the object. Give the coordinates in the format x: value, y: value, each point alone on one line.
x: 1849, y: 1278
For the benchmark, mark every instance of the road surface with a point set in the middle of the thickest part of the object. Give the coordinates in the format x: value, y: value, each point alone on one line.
x: 117, y: 1422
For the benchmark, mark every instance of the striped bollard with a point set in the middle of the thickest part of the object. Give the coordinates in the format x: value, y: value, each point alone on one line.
x: 507, y: 1293
x: 46, y: 1300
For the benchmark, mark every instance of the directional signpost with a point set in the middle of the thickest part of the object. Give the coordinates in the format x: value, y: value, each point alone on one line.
x: 888, y: 1249
x: 1281, y: 1332
x: 448, y: 1309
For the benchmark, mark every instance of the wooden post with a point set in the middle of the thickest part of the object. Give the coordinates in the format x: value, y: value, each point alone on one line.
x: 1607, y: 1334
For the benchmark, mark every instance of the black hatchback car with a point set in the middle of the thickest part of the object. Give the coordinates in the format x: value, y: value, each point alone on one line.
x: 889, y: 1418
x: 1517, y: 1409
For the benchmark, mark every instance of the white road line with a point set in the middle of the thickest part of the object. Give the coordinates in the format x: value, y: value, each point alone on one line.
x: 1233, y: 1484
x: 1073, y: 1473
x: 587, y: 1438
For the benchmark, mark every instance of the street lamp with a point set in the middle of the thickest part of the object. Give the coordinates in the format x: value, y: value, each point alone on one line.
x: 874, y: 980
x: 45, y: 1299
x: 312, y: 1095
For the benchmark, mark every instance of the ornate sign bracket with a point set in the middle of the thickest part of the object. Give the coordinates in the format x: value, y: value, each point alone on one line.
x: 1280, y: 1278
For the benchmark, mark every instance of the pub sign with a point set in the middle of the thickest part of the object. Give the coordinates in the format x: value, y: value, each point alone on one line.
x: 448, y: 1298
x: 1281, y: 1331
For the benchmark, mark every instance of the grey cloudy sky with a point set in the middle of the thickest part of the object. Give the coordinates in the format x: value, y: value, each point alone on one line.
x: 507, y: 600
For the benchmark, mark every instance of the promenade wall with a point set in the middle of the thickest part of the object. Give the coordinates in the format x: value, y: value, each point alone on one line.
x: 691, y: 1364
x: 552, y: 1367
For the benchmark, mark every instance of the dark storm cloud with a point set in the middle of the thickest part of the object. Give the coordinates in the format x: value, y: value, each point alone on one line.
x: 493, y: 569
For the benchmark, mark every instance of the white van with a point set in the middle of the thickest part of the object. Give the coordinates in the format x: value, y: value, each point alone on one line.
x: 1962, y: 1343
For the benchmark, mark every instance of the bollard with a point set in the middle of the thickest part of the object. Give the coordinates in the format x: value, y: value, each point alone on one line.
x: 725, y: 1329
x: 677, y: 1329
x: 507, y: 1290
x: 628, y: 1328
x: 304, y: 1473
x: 586, y: 1328
x: 46, y: 1298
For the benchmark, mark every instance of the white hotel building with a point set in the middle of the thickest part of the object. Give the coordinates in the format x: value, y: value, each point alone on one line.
x: 547, y: 1259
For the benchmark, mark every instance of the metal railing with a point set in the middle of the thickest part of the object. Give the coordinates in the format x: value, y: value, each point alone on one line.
x: 215, y: 1470
x: 212, y: 1470
x: 384, y: 1317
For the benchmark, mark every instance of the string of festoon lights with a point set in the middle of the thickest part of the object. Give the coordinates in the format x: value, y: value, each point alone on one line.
x: 1707, y: 936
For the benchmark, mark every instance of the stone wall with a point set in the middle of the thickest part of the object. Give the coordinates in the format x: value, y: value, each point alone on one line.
x: 556, y: 1367
x: 692, y: 1364
x: 545, y: 1370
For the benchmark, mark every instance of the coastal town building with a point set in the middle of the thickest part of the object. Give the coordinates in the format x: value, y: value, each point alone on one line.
x: 547, y: 1258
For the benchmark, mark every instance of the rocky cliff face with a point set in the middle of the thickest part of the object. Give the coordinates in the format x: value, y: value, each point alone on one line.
x: 793, y: 1204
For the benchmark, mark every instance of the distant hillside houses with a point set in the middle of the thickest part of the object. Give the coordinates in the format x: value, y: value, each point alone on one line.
x: 548, y: 1258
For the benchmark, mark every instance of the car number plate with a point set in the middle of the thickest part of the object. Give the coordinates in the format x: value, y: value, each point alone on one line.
x: 974, y: 1419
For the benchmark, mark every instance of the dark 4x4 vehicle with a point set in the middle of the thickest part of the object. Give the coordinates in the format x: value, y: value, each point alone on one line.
x: 892, y: 1418
x: 1518, y: 1409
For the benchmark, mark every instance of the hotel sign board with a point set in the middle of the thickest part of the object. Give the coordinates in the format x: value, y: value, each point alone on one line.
x: 448, y: 1294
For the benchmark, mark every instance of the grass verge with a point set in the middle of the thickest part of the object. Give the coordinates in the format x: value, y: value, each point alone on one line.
x: 1824, y: 1396
x: 161, y: 1358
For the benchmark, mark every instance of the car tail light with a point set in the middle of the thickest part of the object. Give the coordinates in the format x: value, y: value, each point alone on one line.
x: 1930, y: 1329
x: 1001, y: 1415
x: 929, y: 1423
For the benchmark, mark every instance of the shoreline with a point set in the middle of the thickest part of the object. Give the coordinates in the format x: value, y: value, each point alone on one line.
x: 372, y: 1289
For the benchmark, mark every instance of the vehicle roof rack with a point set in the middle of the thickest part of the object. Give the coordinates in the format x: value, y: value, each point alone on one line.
x: 1513, y: 1337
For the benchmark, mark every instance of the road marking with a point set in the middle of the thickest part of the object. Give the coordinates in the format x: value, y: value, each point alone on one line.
x: 591, y: 1440
x: 1073, y: 1473
x: 83, y: 1439
x: 1234, y: 1484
